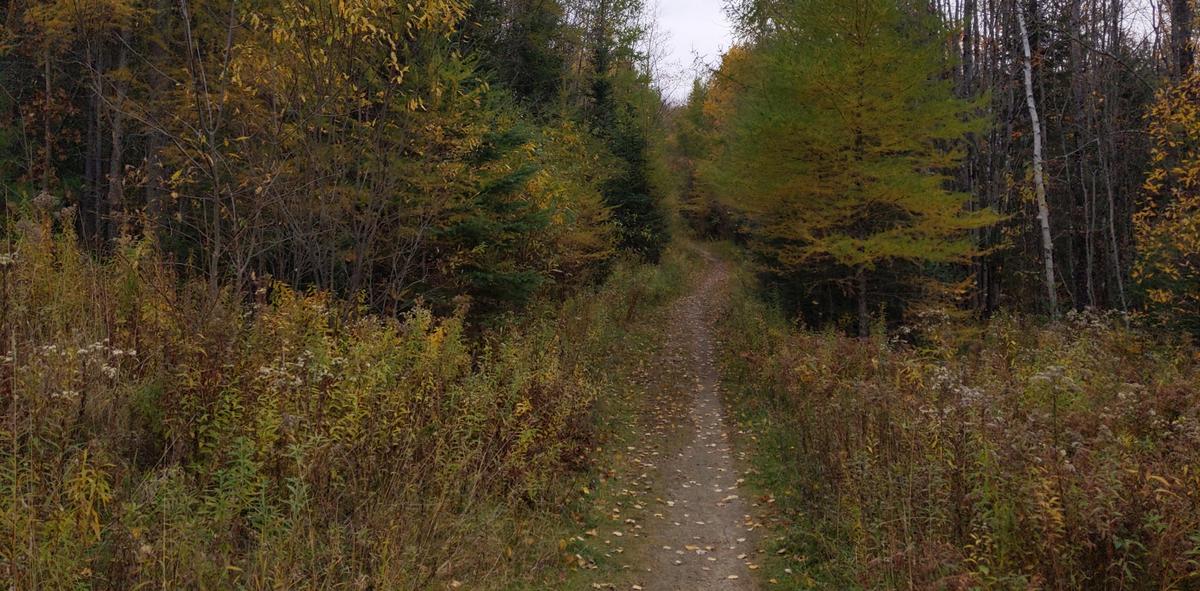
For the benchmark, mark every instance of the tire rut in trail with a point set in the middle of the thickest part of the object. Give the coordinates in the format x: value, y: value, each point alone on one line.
x: 704, y: 536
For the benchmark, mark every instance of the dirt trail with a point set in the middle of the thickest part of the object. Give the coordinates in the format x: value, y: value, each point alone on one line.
x: 703, y: 535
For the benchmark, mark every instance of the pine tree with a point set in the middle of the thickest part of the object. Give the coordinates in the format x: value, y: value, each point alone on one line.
x: 839, y: 142
x: 520, y: 44
x: 617, y: 103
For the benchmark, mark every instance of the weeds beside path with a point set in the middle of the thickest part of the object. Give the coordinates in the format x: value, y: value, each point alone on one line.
x: 956, y: 455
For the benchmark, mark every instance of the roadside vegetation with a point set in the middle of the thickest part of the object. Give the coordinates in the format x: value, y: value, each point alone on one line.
x: 963, y: 347
x: 367, y: 294
x: 959, y: 455
x: 154, y: 436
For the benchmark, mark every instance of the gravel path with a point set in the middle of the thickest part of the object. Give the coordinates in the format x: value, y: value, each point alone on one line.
x: 703, y: 536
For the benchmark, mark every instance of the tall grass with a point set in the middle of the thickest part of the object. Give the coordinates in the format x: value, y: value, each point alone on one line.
x: 1010, y: 455
x: 156, y: 437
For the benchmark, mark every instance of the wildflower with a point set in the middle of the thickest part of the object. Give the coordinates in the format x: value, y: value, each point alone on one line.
x: 8, y: 258
x: 969, y: 397
x: 109, y: 371
x: 65, y: 395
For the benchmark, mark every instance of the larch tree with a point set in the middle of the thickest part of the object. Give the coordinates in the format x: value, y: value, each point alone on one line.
x: 840, y: 143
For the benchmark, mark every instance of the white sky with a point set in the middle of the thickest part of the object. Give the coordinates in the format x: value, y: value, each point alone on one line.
x: 690, y: 30
x: 691, y: 35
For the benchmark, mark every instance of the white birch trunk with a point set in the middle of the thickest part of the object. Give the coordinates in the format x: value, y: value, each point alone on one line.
x: 1038, y: 179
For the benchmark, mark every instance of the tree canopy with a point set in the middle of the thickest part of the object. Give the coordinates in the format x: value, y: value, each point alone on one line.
x: 838, y: 140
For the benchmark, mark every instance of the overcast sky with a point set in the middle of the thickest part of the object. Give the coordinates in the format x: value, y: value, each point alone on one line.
x: 690, y: 29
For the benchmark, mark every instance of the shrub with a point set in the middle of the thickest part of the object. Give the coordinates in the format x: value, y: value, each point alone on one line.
x: 156, y: 433
x: 1006, y: 456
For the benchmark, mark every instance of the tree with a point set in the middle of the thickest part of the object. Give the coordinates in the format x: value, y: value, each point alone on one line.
x: 332, y: 144
x: 1038, y: 174
x: 840, y: 142
x: 623, y: 112
x: 1168, y: 225
x: 522, y: 44
x: 1183, y: 46
x: 692, y: 142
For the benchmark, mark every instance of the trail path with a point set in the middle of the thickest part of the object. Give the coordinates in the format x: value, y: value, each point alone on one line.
x: 699, y: 532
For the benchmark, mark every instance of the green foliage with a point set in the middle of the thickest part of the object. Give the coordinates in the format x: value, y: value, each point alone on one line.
x: 838, y: 133
x: 492, y: 227
x: 999, y: 456
x: 357, y: 147
x: 520, y: 45
x: 640, y: 218
x: 624, y: 113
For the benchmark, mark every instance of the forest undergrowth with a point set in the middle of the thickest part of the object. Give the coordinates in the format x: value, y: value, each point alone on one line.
x: 1012, y: 454
x: 156, y: 436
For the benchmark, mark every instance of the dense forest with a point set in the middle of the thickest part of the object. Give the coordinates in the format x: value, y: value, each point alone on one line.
x: 490, y: 149
x: 442, y: 294
x: 1060, y: 137
x: 288, y: 285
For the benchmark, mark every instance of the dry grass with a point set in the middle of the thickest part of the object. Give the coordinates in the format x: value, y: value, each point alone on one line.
x: 154, y: 436
x: 1007, y: 456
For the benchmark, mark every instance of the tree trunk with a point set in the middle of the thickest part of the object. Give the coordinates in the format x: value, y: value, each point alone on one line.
x: 47, y: 136
x: 91, y: 160
x: 1038, y: 175
x: 1183, y: 54
x: 864, y: 310
x: 156, y: 189
x: 968, y: 48
x: 116, y: 161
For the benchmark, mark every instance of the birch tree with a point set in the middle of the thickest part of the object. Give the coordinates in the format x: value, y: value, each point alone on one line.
x: 1038, y: 170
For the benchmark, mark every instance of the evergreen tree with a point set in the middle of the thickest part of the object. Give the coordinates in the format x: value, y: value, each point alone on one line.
x: 521, y: 44
x: 616, y: 117
x: 839, y: 143
x: 491, y: 229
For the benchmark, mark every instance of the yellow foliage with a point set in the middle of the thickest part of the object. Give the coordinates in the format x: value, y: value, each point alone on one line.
x: 1167, y: 228
x: 236, y: 445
